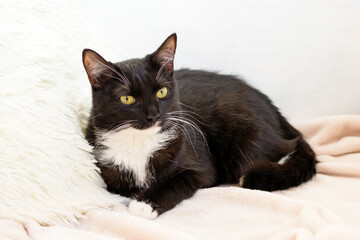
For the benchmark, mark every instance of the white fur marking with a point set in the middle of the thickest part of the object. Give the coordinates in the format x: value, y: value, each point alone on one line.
x: 285, y: 158
x: 142, y: 209
x: 131, y: 149
x: 241, y: 181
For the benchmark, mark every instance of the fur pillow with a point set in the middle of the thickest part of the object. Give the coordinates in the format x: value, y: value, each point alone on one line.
x: 47, y: 172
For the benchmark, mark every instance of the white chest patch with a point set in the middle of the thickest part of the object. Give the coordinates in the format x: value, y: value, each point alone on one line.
x: 131, y: 149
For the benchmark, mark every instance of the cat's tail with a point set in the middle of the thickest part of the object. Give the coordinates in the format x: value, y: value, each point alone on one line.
x: 298, y: 167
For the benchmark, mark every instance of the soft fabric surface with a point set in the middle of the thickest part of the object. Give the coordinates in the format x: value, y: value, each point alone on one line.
x: 325, y: 208
x: 47, y: 171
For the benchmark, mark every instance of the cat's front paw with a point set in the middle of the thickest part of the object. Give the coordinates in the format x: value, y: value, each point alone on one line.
x: 142, y: 209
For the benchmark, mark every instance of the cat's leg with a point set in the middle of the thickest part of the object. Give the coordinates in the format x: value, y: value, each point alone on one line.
x: 163, y: 197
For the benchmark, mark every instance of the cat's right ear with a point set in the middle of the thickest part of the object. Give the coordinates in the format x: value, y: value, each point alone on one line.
x: 165, y: 54
x: 97, y: 68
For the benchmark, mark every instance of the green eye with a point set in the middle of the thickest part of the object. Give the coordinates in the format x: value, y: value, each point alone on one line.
x: 127, y: 99
x: 162, y: 92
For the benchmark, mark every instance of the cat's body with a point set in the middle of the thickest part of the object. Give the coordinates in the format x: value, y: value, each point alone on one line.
x: 209, y: 129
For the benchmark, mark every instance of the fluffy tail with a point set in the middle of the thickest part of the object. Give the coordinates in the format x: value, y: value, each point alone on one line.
x: 299, y: 167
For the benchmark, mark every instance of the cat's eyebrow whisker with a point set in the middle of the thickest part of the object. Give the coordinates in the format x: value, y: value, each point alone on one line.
x: 121, y: 80
x: 162, y: 82
x: 123, y: 74
x: 162, y: 79
x: 162, y: 67
x: 124, y: 79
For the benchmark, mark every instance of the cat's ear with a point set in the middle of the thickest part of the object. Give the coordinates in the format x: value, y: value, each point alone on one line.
x: 165, y: 54
x: 97, y: 68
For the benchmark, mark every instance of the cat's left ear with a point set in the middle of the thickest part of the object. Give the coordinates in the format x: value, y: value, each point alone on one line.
x: 165, y: 54
x: 97, y: 68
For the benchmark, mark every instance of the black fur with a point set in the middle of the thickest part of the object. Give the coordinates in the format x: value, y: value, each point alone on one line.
x: 233, y: 130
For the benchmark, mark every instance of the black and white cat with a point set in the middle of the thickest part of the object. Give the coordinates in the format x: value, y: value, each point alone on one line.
x: 159, y: 134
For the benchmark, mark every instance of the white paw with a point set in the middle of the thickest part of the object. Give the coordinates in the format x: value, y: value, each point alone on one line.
x: 142, y: 209
x: 241, y: 181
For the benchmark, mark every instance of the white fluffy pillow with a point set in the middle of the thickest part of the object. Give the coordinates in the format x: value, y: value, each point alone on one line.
x: 47, y: 172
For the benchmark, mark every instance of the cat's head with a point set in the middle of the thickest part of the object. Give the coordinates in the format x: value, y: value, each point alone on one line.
x: 134, y: 93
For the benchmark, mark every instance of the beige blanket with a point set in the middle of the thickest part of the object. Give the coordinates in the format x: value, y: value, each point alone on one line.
x: 328, y: 207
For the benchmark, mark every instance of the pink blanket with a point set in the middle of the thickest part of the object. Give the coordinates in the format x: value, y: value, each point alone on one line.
x: 327, y: 207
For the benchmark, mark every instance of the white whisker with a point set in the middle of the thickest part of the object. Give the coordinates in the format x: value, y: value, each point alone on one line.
x: 189, y: 114
x: 123, y: 74
x: 158, y: 75
x: 180, y: 127
x: 123, y: 79
x: 193, y: 126
x: 188, y: 106
x: 123, y: 125
x: 189, y: 122
x: 245, y: 157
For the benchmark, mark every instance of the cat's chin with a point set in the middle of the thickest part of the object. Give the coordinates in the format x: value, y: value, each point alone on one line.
x: 153, y: 129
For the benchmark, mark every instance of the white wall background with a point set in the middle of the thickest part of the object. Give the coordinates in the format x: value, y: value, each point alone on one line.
x: 304, y: 54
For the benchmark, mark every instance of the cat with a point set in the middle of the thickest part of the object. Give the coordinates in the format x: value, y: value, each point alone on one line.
x: 159, y: 135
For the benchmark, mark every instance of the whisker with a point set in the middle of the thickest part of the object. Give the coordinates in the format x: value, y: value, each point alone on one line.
x: 123, y: 125
x: 162, y: 67
x: 188, y: 121
x: 180, y: 115
x: 125, y: 80
x: 254, y: 143
x: 192, y: 125
x: 92, y: 117
x: 118, y: 127
x: 245, y: 157
x: 185, y: 132
x: 121, y: 80
x: 187, y: 106
x: 160, y: 77
x: 123, y: 74
x: 162, y: 82
x: 188, y: 113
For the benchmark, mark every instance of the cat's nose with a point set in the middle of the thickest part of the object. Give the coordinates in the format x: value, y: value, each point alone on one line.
x: 153, y: 118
